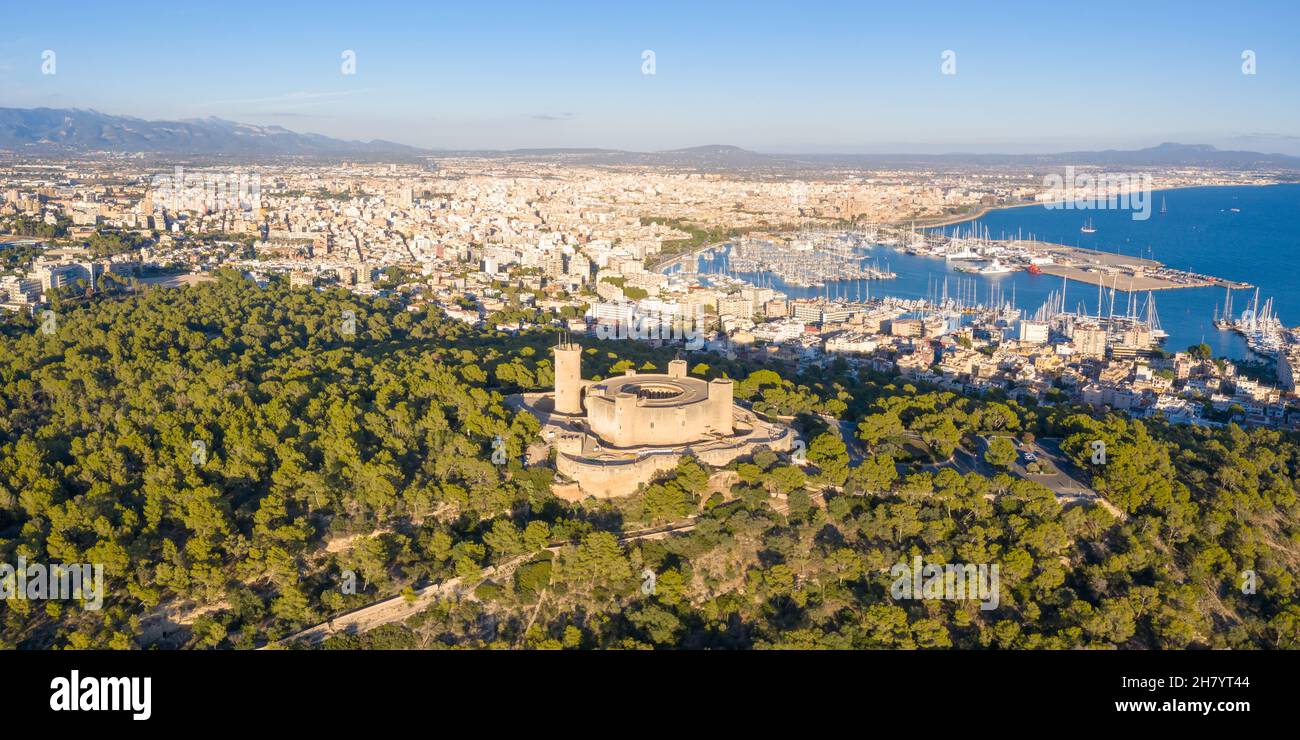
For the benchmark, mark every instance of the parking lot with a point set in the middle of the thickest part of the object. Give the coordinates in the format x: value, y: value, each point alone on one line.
x: 1065, y: 481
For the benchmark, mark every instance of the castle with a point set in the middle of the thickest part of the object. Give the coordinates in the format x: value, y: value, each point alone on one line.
x: 636, y: 410
x: 613, y: 435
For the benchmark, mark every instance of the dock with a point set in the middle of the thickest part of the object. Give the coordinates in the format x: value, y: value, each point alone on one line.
x: 1121, y: 271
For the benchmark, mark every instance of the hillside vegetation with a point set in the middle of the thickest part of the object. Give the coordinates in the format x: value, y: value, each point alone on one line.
x: 236, y: 456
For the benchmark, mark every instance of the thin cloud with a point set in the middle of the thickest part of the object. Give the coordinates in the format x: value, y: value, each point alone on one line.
x: 300, y: 96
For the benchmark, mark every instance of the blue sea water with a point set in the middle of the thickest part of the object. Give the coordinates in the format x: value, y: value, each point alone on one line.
x: 1259, y: 244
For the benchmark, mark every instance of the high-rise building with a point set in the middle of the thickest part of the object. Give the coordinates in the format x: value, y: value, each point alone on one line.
x: 1090, y: 341
x: 1033, y: 332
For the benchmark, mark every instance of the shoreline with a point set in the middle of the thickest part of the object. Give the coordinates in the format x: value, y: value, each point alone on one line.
x: 661, y: 267
x: 959, y: 219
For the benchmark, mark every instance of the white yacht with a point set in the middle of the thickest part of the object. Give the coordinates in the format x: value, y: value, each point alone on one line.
x: 994, y: 268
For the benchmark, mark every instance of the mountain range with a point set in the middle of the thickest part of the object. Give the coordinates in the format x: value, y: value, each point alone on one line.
x: 723, y: 157
x: 49, y: 131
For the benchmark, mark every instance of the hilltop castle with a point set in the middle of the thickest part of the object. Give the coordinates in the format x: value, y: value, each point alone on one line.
x: 613, y: 435
x: 635, y: 410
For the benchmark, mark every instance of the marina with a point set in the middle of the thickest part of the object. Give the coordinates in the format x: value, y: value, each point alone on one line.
x: 1197, y: 227
x: 1259, y: 325
x: 1197, y: 230
x: 810, y: 259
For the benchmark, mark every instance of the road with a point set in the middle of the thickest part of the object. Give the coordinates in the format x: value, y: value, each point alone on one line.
x: 848, y: 432
x: 685, y: 257
x: 393, y: 609
x: 963, y: 460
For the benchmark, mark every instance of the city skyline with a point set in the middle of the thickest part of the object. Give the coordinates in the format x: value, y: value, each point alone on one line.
x: 770, y: 78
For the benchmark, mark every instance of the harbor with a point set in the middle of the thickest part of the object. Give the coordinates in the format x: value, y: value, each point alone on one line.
x: 1258, y: 324
x: 1211, y: 248
x: 1226, y: 240
x: 810, y: 259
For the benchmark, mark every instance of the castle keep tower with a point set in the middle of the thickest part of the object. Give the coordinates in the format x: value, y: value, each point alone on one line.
x: 568, y: 379
x: 721, y: 399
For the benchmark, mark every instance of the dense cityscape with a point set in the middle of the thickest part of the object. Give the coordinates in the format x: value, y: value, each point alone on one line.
x: 513, y: 245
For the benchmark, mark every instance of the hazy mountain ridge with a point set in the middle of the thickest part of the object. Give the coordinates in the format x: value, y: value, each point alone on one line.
x: 54, y: 130
x: 1167, y: 154
x: 718, y: 156
x: 48, y: 130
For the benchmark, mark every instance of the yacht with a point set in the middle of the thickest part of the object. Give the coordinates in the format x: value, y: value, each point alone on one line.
x: 960, y: 249
x: 994, y: 268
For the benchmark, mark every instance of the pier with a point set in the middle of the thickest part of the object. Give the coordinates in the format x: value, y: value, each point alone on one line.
x: 1088, y: 266
x: 1114, y: 270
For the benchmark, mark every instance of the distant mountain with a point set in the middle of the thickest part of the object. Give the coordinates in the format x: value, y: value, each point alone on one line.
x: 1163, y: 155
x: 51, y: 130
x: 708, y: 157
x: 719, y: 155
x: 1186, y: 154
x: 56, y: 130
x: 724, y: 157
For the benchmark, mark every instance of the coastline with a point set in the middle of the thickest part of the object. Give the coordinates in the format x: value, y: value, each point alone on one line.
x: 959, y: 219
x: 662, y: 267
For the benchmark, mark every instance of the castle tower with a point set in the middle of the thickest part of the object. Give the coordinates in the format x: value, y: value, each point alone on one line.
x: 677, y: 369
x: 568, y: 378
x: 721, y: 400
x: 624, y: 418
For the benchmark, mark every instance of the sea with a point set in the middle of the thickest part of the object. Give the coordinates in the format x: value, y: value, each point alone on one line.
x: 1249, y: 234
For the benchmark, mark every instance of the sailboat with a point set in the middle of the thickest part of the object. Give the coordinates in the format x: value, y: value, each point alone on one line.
x: 1164, y: 207
x: 1088, y: 228
x: 1224, y: 320
x: 1152, y: 319
x: 1261, y: 327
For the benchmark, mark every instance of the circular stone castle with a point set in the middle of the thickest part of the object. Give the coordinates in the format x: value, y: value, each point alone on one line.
x: 613, y: 435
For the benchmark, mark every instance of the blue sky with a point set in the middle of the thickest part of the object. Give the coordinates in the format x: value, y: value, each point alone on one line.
x: 789, y: 76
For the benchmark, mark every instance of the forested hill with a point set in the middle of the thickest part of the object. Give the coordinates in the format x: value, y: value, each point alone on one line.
x: 235, y: 455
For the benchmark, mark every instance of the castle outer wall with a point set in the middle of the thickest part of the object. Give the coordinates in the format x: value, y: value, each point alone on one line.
x: 605, y: 478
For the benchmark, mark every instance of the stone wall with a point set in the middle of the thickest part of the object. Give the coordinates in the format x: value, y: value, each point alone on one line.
x: 608, y: 479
